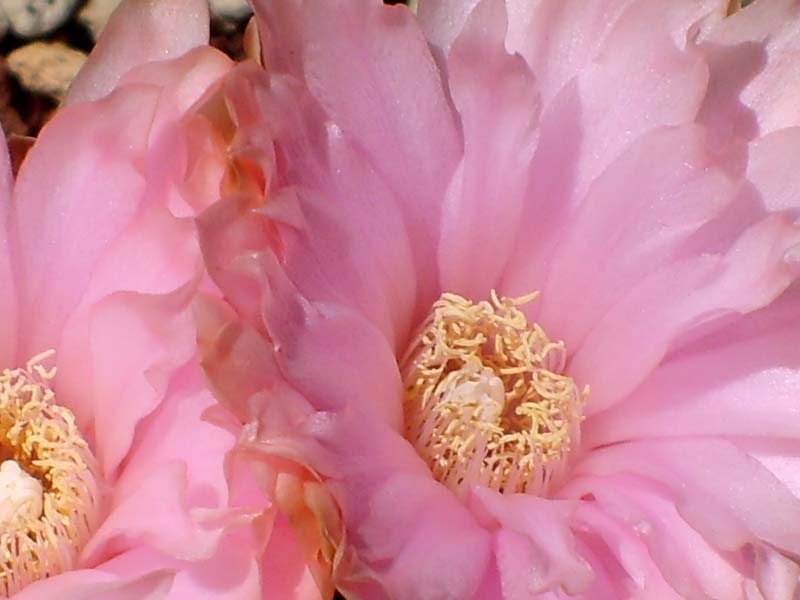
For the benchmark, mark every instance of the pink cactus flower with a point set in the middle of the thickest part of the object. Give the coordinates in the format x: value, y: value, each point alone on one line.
x: 118, y: 475
x: 518, y: 316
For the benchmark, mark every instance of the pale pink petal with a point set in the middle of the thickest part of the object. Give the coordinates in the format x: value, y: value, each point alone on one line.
x: 153, y: 512
x: 683, y: 557
x: 706, y: 480
x: 617, y: 355
x: 560, y: 39
x: 775, y: 178
x: 595, y: 117
x: 443, y: 20
x: 158, y: 339
x: 96, y: 585
x: 748, y: 371
x: 620, y: 560
x: 51, y: 204
x: 478, y: 231
x: 230, y: 574
x: 138, y: 32
x: 754, y: 78
x: 533, y: 544
x: 178, y: 431
x: 777, y: 576
x: 634, y: 220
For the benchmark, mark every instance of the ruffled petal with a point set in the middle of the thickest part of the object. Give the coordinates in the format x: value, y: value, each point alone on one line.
x: 173, y: 491
x: 230, y: 574
x: 726, y: 495
x: 153, y: 512
x: 533, y: 544
x: 138, y: 32
x: 753, y: 56
x: 51, y: 205
x: 683, y: 557
x: 95, y: 367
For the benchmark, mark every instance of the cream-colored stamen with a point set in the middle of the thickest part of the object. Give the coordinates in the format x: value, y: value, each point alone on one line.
x: 20, y: 496
x: 486, y: 399
x: 48, y: 488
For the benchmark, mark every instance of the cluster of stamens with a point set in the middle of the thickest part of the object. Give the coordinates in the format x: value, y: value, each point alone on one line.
x: 486, y: 400
x: 48, y: 490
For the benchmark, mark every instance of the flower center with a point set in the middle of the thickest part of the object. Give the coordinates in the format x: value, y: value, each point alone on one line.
x: 486, y: 401
x: 48, y: 489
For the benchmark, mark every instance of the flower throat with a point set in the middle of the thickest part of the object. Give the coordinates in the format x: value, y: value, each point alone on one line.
x: 49, y: 498
x: 486, y: 401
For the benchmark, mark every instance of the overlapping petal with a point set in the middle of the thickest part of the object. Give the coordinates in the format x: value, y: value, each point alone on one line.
x: 570, y: 149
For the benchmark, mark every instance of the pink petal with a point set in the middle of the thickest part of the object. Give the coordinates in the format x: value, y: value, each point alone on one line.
x: 561, y: 39
x: 55, y: 281
x: 138, y: 32
x: 414, y: 538
x: 619, y: 558
x: 95, y: 585
x: 230, y: 574
x: 776, y: 180
x: 624, y: 231
x: 375, y: 109
x: 153, y: 512
x: 742, y: 380
x: 628, y: 342
x: 311, y: 351
x: 684, y: 558
x: 533, y: 544
x: 430, y: 546
x: 478, y: 230
x: 444, y: 20
x: 8, y: 291
x: 704, y: 478
x: 352, y: 227
x: 753, y: 56
x: 283, y: 568
x: 594, y: 118
x: 178, y: 431
x: 159, y: 338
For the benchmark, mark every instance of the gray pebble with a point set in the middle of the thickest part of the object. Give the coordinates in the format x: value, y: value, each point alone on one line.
x: 231, y: 10
x: 33, y: 18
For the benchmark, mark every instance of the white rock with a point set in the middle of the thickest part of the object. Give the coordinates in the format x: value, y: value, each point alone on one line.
x: 234, y: 10
x: 95, y: 14
x: 46, y: 68
x: 32, y: 18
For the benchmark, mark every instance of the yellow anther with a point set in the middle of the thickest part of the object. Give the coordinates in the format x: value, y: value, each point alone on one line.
x: 486, y: 401
x: 50, y: 498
